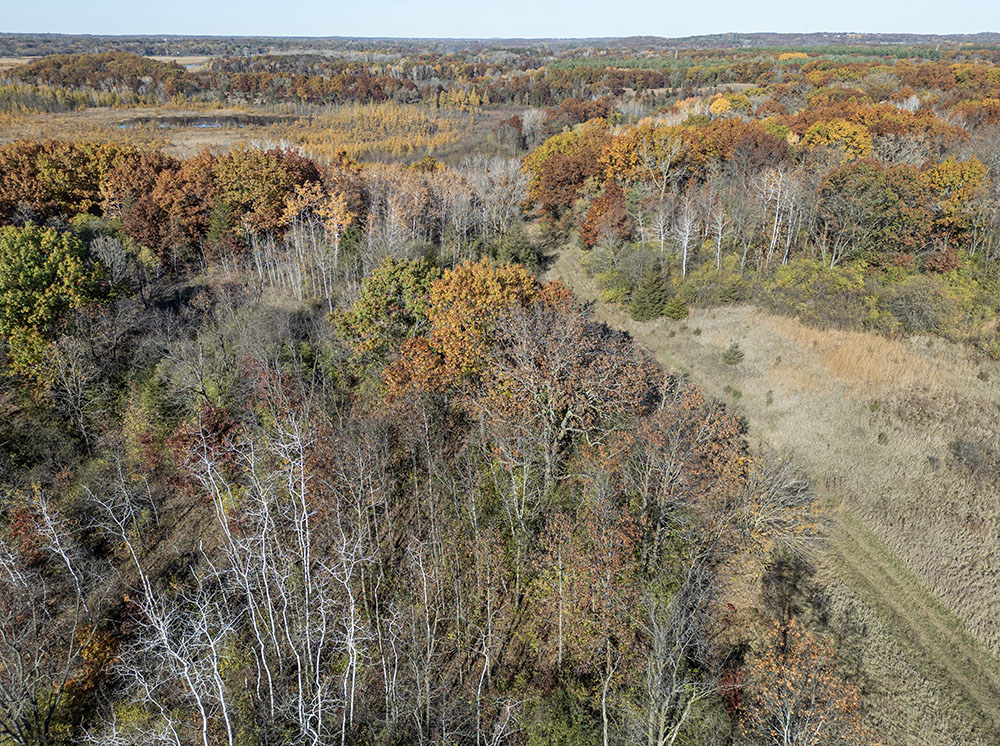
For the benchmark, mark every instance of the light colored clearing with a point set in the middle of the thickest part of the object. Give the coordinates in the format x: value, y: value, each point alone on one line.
x: 114, y: 125
x: 191, y: 62
x: 365, y: 131
x: 118, y: 125
x: 8, y: 62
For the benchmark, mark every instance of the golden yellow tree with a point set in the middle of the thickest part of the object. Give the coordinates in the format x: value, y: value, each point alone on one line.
x: 463, y: 308
x: 854, y: 140
x: 313, y: 204
x: 953, y: 186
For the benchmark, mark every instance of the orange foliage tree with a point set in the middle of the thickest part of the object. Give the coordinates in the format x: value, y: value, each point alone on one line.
x: 462, y: 307
x: 607, y: 217
x: 560, y: 166
x: 186, y: 197
x: 796, y: 696
x: 125, y: 196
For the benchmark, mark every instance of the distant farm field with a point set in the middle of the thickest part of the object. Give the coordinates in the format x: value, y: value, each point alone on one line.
x: 192, y: 62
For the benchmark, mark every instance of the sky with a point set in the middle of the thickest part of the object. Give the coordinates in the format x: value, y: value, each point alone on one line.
x: 502, y: 18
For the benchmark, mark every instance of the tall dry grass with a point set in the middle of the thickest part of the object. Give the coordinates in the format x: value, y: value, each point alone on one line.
x: 363, y: 131
x: 366, y: 131
x: 903, y: 432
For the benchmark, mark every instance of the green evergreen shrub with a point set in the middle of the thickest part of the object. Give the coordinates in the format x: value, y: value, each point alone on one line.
x: 650, y: 297
x: 676, y: 308
x: 733, y: 356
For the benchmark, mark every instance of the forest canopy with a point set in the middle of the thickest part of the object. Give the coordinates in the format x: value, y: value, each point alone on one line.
x: 301, y: 441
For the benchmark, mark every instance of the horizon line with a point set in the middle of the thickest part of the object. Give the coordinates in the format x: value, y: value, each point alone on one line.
x: 145, y: 34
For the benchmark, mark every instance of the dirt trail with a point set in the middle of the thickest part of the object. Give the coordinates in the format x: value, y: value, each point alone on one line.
x: 962, y: 673
x: 933, y: 640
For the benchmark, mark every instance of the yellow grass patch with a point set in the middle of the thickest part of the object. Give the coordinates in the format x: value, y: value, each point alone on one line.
x: 855, y: 358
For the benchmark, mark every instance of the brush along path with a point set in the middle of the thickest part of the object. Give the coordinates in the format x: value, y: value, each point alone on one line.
x: 821, y: 393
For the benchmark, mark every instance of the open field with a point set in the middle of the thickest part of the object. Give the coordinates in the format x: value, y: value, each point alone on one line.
x: 192, y: 62
x: 9, y: 62
x: 366, y: 131
x: 885, y: 429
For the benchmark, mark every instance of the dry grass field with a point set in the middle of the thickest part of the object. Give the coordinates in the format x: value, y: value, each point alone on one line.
x: 192, y: 62
x: 901, y: 439
x: 385, y: 131
x: 138, y: 125
x: 9, y: 62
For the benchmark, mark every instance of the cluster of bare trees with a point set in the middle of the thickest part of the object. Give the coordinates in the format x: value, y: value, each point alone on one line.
x: 760, y: 217
x: 430, y: 571
x: 44, y: 627
x: 458, y: 213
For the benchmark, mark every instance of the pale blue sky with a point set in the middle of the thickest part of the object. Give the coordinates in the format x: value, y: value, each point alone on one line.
x: 504, y: 18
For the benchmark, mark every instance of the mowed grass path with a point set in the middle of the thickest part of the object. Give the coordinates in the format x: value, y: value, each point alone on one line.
x: 912, y: 539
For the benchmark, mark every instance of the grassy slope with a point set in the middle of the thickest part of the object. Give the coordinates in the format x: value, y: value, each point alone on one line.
x: 913, y: 564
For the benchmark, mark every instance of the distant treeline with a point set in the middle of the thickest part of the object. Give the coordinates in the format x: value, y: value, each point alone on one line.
x: 956, y: 76
x: 166, y: 45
